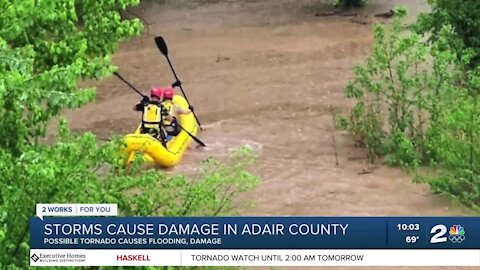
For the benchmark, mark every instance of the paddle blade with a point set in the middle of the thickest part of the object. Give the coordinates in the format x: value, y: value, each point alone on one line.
x: 193, y: 137
x: 198, y: 141
x: 161, y: 45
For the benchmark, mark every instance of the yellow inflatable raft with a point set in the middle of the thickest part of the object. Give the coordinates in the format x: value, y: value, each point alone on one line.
x: 153, y: 150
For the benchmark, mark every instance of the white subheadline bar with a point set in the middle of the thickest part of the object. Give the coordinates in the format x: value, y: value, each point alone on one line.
x: 79, y: 257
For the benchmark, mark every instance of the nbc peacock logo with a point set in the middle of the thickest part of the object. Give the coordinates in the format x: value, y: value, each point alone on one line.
x: 456, y: 234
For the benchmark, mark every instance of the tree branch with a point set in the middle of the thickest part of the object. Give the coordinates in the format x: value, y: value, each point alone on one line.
x: 141, y: 19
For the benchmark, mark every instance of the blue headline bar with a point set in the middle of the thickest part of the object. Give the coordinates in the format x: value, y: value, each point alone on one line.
x: 255, y: 233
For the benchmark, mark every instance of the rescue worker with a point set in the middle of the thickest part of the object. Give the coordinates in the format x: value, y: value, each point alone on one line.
x: 170, y: 120
x: 152, y: 114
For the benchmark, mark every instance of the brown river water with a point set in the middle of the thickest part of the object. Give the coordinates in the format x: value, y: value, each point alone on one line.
x: 263, y: 74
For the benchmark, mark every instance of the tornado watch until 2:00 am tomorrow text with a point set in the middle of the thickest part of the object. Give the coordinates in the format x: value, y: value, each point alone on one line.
x: 277, y: 257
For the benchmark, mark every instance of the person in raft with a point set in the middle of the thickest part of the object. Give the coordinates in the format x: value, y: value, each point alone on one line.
x: 151, y: 109
x: 160, y: 114
x: 170, y: 120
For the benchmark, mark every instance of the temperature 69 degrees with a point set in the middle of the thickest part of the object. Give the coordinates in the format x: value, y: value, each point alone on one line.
x: 412, y: 239
x: 410, y: 231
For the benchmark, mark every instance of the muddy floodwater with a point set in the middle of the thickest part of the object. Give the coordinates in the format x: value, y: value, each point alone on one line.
x: 264, y: 74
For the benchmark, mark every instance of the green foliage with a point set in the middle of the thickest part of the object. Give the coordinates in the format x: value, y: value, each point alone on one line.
x: 453, y: 139
x: 389, y: 89
x: 37, y: 97
x: 45, y: 48
x: 417, y: 104
x: 350, y: 3
x: 63, y: 32
x: 462, y: 15
x: 76, y: 169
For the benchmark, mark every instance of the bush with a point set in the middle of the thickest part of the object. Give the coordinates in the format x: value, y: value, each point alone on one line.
x: 392, y: 104
x: 417, y: 104
x: 76, y: 170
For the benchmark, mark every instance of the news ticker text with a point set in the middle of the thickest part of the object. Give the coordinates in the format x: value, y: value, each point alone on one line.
x: 255, y: 257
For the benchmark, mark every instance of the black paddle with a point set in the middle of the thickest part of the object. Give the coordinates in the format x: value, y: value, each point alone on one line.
x: 129, y: 84
x: 162, y: 47
x: 191, y: 135
x: 134, y: 88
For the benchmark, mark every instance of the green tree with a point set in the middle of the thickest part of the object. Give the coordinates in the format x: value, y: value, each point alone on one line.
x: 462, y: 15
x: 63, y: 32
x: 390, y: 115
x: 417, y: 104
x: 45, y: 49
x: 453, y: 140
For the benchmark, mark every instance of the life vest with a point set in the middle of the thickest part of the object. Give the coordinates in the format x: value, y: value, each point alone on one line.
x: 170, y: 127
x: 168, y: 105
x: 152, y: 115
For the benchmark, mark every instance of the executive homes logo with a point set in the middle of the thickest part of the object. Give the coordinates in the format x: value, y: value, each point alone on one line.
x: 58, y: 257
x: 34, y: 257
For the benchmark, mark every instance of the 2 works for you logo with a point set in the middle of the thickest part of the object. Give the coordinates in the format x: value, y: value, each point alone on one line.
x: 456, y: 234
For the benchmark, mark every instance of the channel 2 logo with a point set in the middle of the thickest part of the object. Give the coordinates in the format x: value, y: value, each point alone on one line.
x: 456, y: 234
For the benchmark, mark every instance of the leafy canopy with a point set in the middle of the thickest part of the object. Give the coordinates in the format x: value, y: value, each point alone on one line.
x: 46, y: 47
x: 462, y: 16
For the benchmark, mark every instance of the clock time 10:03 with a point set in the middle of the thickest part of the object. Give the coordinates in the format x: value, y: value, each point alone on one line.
x: 408, y: 227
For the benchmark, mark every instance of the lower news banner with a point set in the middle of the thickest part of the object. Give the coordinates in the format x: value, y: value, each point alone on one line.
x: 255, y: 241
